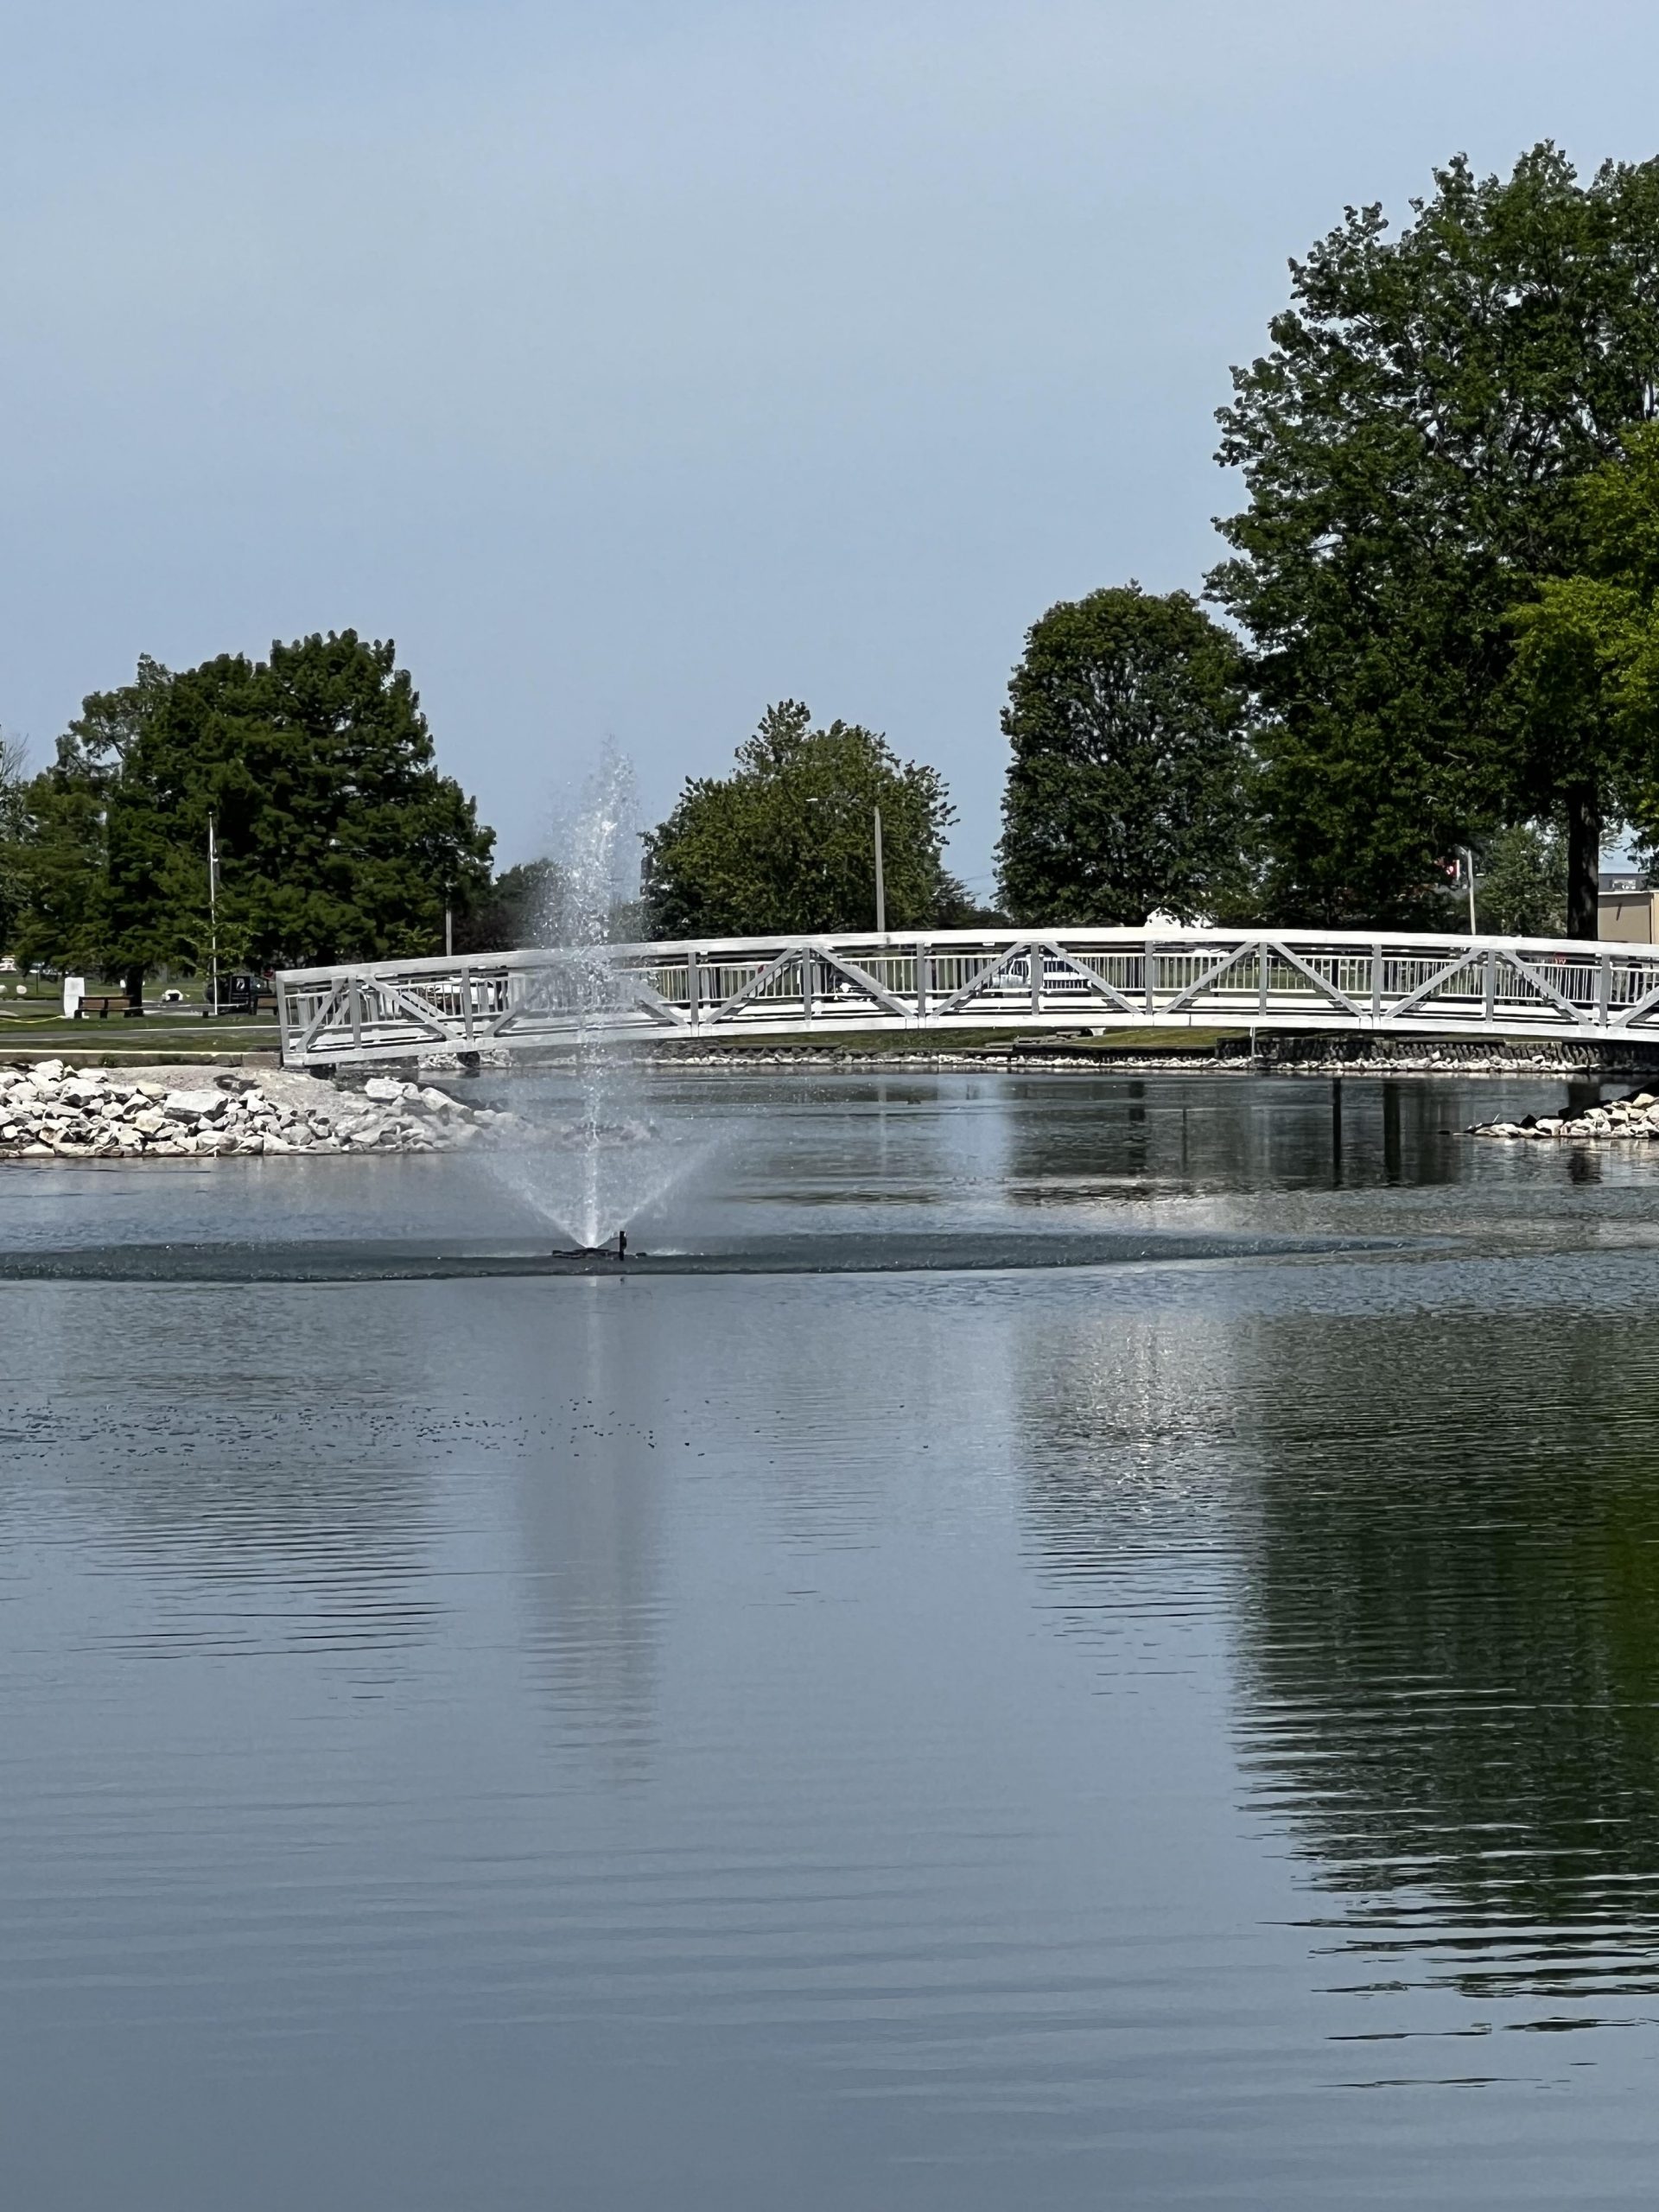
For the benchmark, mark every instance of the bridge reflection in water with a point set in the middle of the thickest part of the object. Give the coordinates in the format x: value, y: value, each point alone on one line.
x: 1409, y: 984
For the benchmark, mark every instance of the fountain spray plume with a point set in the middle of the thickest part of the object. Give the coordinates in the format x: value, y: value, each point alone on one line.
x: 593, y: 886
x: 594, y: 1169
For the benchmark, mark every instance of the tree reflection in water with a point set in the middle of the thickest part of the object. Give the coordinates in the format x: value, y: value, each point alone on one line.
x: 1451, y: 1660
x: 1438, y: 1535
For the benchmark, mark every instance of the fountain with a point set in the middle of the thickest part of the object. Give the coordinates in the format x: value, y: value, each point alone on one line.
x: 592, y: 1172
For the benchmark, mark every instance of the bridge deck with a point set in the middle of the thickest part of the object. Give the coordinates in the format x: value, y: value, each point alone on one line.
x: 1058, y: 979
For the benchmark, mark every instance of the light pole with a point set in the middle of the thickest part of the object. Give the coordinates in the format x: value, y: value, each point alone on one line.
x: 212, y: 920
x: 1469, y: 862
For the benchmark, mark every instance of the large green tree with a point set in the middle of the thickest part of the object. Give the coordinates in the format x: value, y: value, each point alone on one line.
x: 1409, y: 444
x: 337, y: 837
x: 1127, y: 790
x: 785, y: 842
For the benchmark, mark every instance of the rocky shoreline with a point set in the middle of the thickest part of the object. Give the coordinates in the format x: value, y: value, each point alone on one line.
x: 53, y: 1111
x: 1634, y: 1117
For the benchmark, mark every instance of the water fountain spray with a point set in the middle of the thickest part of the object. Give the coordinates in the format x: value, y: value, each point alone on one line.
x: 592, y: 1171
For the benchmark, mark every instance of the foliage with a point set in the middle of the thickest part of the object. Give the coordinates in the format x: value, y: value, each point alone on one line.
x: 1587, y: 655
x: 1409, y: 445
x: 519, y: 909
x: 338, y: 838
x: 1127, y: 791
x: 785, y: 842
x: 1521, y: 889
x: 957, y: 908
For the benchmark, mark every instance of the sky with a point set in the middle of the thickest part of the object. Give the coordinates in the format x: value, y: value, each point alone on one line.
x: 634, y: 365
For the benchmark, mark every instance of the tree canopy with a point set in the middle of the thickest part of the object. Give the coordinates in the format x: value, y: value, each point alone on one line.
x: 1410, y: 446
x: 1126, y: 792
x: 337, y: 837
x: 785, y: 842
x: 1520, y: 885
x: 521, y: 907
x: 1587, y: 658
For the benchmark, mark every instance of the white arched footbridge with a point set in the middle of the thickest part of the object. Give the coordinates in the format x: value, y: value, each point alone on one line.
x: 1017, y: 979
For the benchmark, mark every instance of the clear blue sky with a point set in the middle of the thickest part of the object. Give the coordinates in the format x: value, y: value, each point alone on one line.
x: 634, y: 363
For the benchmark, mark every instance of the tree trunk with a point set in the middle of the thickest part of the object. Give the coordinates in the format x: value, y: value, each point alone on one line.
x: 134, y: 980
x: 1583, y: 861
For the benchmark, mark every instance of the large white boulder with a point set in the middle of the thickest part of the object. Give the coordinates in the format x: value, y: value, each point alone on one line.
x: 192, y: 1105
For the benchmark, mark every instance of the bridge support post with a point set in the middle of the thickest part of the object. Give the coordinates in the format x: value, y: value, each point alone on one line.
x: 1151, y: 977
x: 1603, y: 987
x: 694, y: 984
x: 1376, y: 980
x: 922, y: 956
x: 1490, y: 965
x: 1263, y: 971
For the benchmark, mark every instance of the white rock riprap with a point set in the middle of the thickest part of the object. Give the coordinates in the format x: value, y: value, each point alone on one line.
x: 53, y: 1111
x: 1632, y: 1119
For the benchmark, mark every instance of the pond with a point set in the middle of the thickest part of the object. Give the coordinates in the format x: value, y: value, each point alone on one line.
x: 1178, y: 1726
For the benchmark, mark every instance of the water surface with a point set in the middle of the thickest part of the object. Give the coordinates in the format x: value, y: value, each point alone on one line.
x: 1176, y: 1730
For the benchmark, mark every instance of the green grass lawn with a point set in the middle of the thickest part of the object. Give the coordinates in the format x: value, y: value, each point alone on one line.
x: 27, y: 1032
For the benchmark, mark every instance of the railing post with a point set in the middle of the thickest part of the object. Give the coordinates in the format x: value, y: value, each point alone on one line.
x: 922, y: 956
x: 1603, y: 986
x: 1034, y: 954
x: 1151, y: 964
x: 808, y: 978
x: 357, y: 1013
x: 694, y: 983
x: 1262, y: 971
x: 1376, y: 980
x: 1490, y: 964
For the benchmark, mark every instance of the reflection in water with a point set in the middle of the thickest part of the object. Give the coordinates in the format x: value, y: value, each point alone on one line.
x: 589, y: 1506
x: 1144, y: 1134
x: 1451, y: 1621
x: 1439, y: 1536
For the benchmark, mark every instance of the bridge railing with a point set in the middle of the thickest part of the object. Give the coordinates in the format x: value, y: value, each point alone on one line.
x: 1076, y: 979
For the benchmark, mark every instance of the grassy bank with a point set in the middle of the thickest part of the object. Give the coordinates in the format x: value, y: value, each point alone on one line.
x: 157, y: 1037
